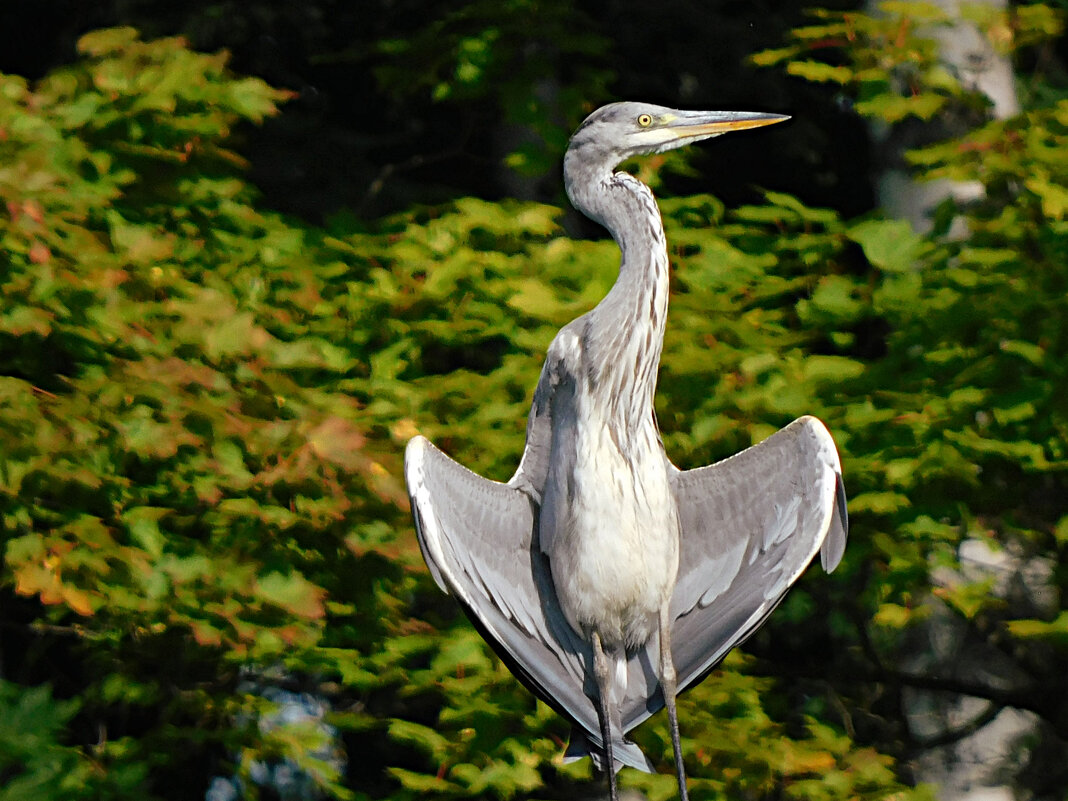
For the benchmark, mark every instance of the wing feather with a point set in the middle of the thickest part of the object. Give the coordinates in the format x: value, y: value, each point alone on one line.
x: 478, y: 539
x: 749, y: 525
x: 561, y: 364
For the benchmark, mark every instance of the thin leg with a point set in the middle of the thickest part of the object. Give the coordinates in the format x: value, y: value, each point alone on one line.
x: 600, y: 672
x: 669, y: 686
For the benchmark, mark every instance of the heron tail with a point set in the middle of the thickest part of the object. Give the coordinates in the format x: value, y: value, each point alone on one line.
x: 624, y: 752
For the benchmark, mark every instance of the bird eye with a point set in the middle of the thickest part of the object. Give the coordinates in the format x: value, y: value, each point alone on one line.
x: 644, y: 120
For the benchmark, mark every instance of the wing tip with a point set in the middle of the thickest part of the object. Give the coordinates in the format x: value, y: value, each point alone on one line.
x: 834, y: 541
x: 415, y: 453
x: 426, y: 532
x: 823, y: 435
x: 414, y: 450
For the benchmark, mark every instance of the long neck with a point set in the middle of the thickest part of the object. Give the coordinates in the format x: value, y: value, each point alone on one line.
x: 625, y: 332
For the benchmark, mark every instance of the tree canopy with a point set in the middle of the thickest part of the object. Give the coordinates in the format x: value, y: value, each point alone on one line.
x: 204, y: 401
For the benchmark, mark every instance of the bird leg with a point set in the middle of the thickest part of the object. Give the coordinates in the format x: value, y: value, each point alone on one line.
x: 602, y: 675
x: 669, y: 688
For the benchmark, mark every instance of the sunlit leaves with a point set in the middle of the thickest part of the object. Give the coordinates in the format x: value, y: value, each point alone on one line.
x: 819, y: 72
x: 1053, y: 630
x: 291, y: 592
x: 890, y: 107
x: 172, y: 472
x: 1015, y: 27
x: 890, y: 245
x: 893, y: 66
x: 203, y: 409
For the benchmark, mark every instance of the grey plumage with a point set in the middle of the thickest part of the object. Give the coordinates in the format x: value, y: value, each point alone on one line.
x: 599, y: 551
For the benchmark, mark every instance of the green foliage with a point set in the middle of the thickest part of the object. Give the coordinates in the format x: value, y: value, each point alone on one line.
x: 997, y: 155
x: 34, y: 764
x: 203, y: 406
x: 486, y: 51
x: 173, y: 475
x: 957, y: 431
x: 892, y: 58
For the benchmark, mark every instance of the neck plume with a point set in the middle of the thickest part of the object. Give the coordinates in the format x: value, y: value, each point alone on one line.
x: 624, y: 334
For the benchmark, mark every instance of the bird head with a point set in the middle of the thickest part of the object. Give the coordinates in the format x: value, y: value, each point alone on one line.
x: 618, y: 131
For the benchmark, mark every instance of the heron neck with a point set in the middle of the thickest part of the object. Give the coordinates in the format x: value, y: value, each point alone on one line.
x: 625, y: 332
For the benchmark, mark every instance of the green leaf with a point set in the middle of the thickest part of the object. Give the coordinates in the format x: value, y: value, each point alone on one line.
x: 1060, y: 531
x: 890, y: 107
x: 819, y: 72
x: 820, y: 369
x: 235, y: 335
x: 423, y: 738
x: 291, y: 592
x: 535, y: 299
x: 880, y: 503
x: 1025, y: 350
x: 767, y: 58
x: 895, y: 616
x: 969, y: 598
x: 890, y: 245
x: 143, y: 524
x: 107, y: 41
x: 421, y: 782
x: 1056, y: 629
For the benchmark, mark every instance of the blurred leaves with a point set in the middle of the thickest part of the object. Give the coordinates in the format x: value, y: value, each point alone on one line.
x: 489, y: 52
x: 203, y: 407
x: 173, y: 472
x: 893, y: 67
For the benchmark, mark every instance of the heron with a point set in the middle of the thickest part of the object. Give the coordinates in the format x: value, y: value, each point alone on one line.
x: 607, y: 579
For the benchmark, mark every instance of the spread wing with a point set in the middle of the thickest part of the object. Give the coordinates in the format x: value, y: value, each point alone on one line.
x: 750, y: 525
x: 478, y: 539
x: 558, y: 376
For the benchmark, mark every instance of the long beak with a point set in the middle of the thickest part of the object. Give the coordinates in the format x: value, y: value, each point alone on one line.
x: 690, y: 124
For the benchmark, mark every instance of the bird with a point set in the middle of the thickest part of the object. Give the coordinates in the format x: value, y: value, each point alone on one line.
x: 607, y: 579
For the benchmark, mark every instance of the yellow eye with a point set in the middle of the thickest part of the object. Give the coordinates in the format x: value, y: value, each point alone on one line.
x: 645, y: 120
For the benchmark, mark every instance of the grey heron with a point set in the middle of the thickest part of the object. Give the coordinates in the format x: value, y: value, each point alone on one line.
x: 605, y: 577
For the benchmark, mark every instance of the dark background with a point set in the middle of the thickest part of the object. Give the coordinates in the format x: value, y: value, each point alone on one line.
x: 367, y: 134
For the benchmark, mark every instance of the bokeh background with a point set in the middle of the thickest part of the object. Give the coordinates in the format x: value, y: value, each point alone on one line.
x: 248, y: 249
